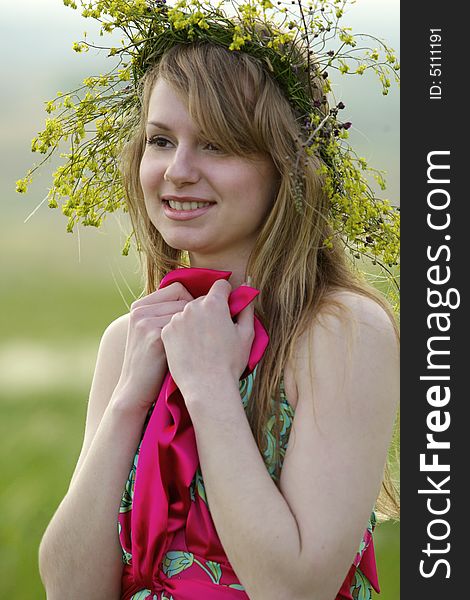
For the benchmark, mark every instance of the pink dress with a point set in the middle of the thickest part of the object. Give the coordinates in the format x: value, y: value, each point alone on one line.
x: 171, y: 550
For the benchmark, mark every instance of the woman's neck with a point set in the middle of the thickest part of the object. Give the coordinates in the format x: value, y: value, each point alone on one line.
x: 237, y: 265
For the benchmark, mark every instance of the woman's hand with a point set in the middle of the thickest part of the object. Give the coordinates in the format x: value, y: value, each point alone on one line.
x: 204, y: 347
x: 144, y: 363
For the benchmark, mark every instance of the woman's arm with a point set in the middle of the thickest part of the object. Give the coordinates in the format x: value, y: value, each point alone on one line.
x: 347, y: 376
x: 105, y: 378
x: 79, y: 555
x: 300, y: 543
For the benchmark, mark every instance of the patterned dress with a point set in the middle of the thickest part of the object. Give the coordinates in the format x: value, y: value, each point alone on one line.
x: 207, y: 572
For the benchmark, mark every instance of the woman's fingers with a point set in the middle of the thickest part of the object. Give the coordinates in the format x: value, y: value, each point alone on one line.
x: 245, y: 320
x: 152, y: 324
x: 173, y: 292
x: 159, y: 309
x: 221, y: 289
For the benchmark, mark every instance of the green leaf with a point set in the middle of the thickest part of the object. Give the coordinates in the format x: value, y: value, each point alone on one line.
x: 176, y: 561
x: 142, y: 595
x: 215, y: 569
x: 200, y: 486
x: 236, y: 586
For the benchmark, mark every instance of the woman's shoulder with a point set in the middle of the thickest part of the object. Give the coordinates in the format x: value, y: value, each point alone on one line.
x: 109, y: 360
x: 341, y: 307
x: 343, y: 318
x: 105, y: 378
x: 117, y: 329
x: 110, y: 356
x: 113, y: 344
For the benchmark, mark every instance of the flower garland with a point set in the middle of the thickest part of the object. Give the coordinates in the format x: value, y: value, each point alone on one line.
x: 98, y: 118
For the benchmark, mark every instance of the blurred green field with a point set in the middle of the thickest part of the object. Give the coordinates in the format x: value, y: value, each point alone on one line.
x: 54, y: 311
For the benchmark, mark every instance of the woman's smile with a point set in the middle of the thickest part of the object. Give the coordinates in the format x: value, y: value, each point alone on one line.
x: 184, y: 211
x: 181, y: 212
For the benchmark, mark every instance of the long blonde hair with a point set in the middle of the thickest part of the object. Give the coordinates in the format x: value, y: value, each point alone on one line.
x: 238, y: 105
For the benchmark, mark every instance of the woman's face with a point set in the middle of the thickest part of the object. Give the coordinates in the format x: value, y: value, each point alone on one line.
x: 199, y: 198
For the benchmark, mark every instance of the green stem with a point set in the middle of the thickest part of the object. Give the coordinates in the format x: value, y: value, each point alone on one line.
x: 204, y: 569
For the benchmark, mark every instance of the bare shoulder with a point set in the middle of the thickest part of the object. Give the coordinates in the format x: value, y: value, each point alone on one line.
x: 351, y: 344
x: 108, y: 365
x: 113, y: 341
x: 346, y: 373
x: 105, y: 378
x: 349, y: 328
x: 342, y: 304
x: 346, y: 319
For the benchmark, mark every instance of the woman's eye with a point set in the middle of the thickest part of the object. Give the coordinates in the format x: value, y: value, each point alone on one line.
x: 214, y: 148
x: 160, y: 142
x: 154, y: 141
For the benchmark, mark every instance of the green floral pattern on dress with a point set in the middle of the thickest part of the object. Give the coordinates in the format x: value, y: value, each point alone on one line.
x: 146, y: 595
x: 128, y: 495
x: 286, y: 415
x: 361, y: 588
x: 175, y: 562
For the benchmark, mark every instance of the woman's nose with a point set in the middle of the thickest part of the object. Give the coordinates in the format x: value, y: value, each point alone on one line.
x: 182, y: 167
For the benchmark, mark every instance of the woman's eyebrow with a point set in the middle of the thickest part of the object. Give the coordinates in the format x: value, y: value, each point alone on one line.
x: 165, y: 127
x: 160, y: 125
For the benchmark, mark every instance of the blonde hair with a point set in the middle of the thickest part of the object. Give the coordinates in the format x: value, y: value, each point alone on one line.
x: 239, y: 106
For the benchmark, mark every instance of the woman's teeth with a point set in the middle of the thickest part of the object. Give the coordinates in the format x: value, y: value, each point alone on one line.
x: 187, y: 205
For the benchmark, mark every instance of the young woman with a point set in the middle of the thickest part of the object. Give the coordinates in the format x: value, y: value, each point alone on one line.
x: 258, y: 462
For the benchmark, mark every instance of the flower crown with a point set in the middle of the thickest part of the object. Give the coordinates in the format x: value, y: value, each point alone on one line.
x: 98, y: 118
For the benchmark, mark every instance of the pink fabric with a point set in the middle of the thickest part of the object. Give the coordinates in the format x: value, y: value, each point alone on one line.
x: 168, y: 462
x: 163, y: 517
x: 366, y: 562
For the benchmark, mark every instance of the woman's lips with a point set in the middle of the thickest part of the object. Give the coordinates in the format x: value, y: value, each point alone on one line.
x: 184, y: 215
